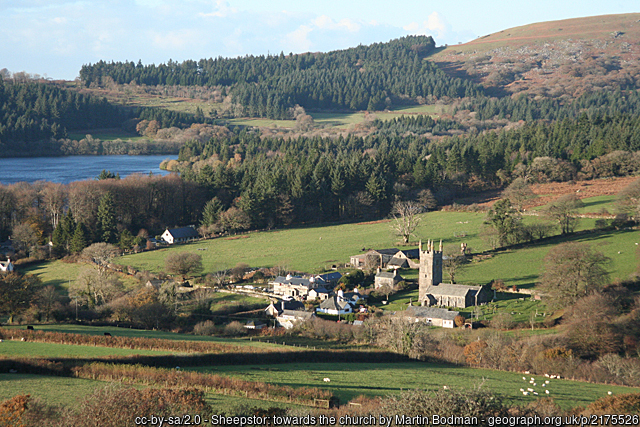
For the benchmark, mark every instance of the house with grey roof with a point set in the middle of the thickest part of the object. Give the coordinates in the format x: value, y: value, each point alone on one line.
x: 179, y: 235
x: 390, y: 278
x: 288, y: 318
x: 294, y: 286
x: 319, y: 293
x: 433, y: 316
x: 329, y: 279
x: 335, y: 305
x: 274, y: 309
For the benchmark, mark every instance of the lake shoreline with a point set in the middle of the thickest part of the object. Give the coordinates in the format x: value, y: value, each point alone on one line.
x: 71, y: 168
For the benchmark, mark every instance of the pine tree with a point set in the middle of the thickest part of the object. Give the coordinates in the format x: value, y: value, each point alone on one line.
x: 107, y: 218
x: 79, y: 240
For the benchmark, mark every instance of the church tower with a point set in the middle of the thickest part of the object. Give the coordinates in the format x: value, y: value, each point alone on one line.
x: 430, y: 269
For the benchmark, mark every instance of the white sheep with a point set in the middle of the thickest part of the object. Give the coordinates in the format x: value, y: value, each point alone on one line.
x: 326, y: 380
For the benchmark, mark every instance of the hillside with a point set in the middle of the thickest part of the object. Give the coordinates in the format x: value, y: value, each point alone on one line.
x: 370, y: 77
x: 566, y: 57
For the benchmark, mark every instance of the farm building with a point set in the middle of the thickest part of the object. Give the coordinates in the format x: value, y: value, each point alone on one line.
x: 255, y: 324
x: 386, y: 258
x: 431, y: 316
x: 179, y: 235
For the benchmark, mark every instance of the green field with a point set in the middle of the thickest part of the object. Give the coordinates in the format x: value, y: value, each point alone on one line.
x: 314, y: 248
x: 60, y: 274
x: 137, y: 333
x: 50, y: 390
x: 106, y: 135
x: 336, y: 120
x: 352, y: 379
x: 64, y: 391
x: 14, y: 348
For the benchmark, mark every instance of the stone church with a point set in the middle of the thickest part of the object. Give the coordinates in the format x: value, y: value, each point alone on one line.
x: 435, y: 293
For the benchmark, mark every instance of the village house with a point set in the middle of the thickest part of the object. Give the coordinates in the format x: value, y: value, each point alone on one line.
x: 6, y: 266
x: 405, y: 259
x: 293, y: 286
x: 319, y: 293
x: 432, y: 316
x: 179, y: 235
x: 288, y: 318
x: 274, y: 309
x: 335, y: 305
x: 390, y: 278
x: 328, y: 279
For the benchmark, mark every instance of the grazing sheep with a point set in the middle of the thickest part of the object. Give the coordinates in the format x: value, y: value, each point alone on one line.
x: 535, y: 392
x: 526, y: 393
x: 609, y: 393
x: 326, y: 380
x: 546, y: 391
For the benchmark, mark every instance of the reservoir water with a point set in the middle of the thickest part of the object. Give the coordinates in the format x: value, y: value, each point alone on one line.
x: 76, y: 168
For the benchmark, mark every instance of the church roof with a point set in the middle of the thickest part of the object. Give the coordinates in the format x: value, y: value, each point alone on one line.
x: 448, y: 289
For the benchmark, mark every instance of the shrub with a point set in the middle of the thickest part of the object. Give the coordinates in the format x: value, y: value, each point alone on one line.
x: 204, y: 328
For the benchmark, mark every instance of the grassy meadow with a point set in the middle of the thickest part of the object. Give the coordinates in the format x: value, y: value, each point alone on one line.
x: 352, y: 379
x: 63, y: 391
x: 315, y: 249
x: 20, y: 349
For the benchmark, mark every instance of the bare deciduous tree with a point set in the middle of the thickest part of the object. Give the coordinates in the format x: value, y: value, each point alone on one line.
x: 572, y: 271
x: 96, y: 288
x: 519, y: 193
x: 183, y: 264
x: 564, y: 211
x: 628, y: 201
x: 405, y: 219
x: 452, y: 261
x: 100, y: 254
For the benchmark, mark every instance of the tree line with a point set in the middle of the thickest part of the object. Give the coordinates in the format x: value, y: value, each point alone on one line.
x: 37, y: 116
x: 362, y: 78
x: 278, y: 181
x: 530, y: 109
x: 120, y: 211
